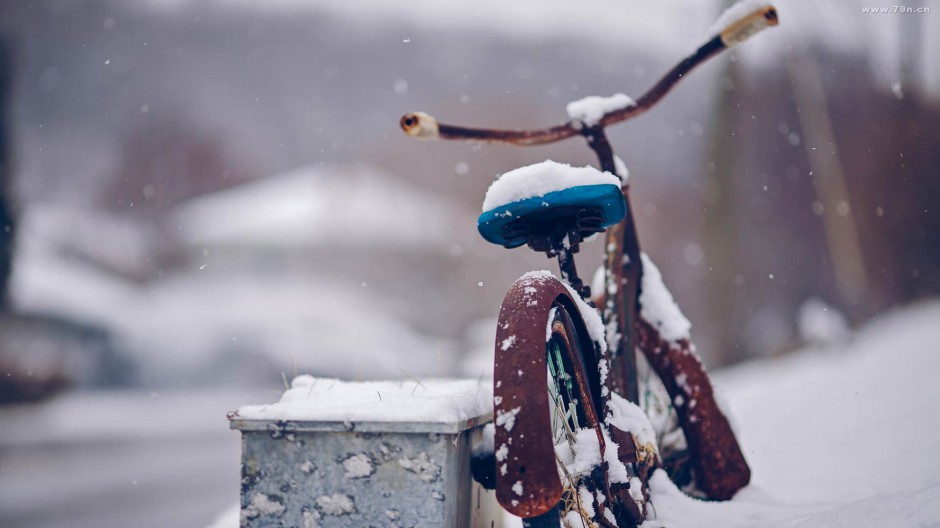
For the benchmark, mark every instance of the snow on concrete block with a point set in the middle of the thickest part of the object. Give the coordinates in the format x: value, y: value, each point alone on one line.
x: 326, y: 399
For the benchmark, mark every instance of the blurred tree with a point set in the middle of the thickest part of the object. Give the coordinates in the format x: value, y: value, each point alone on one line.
x: 721, y: 220
x: 890, y: 160
x: 7, y: 218
x: 823, y: 152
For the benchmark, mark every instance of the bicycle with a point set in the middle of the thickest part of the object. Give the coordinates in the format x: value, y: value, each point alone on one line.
x: 571, y: 439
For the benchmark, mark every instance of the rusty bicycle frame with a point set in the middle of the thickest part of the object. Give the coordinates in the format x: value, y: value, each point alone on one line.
x: 719, y: 464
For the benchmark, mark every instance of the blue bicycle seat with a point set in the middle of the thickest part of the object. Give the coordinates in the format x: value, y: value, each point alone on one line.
x: 583, y: 208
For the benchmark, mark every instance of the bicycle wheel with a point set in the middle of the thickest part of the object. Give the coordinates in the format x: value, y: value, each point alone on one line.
x: 565, y: 357
x: 659, y: 407
x: 572, y: 412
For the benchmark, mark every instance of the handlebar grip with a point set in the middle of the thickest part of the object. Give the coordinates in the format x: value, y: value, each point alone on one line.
x: 749, y: 25
x: 420, y: 125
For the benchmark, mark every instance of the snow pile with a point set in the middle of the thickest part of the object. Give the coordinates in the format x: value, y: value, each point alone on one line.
x: 484, y: 442
x: 629, y: 417
x: 592, y: 108
x: 657, y: 305
x: 754, y: 508
x: 586, y: 455
x: 540, y: 179
x: 820, y: 323
x: 865, y: 413
x: 325, y: 399
x: 733, y: 14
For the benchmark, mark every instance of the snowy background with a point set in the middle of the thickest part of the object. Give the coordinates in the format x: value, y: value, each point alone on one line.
x: 213, y: 195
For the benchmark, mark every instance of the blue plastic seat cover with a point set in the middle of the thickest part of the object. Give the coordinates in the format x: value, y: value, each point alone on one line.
x: 606, y: 198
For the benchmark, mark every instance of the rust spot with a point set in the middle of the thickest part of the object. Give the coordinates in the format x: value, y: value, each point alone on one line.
x: 771, y: 16
x: 409, y: 121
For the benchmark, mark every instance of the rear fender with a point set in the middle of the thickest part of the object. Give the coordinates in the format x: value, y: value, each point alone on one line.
x: 527, y: 482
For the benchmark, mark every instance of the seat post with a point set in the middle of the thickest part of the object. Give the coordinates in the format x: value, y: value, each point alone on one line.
x: 569, y: 271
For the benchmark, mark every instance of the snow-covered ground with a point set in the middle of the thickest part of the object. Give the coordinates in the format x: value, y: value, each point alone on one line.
x: 845, y: 436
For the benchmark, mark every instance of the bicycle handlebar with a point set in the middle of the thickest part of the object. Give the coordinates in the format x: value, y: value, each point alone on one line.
x: 423, y: 126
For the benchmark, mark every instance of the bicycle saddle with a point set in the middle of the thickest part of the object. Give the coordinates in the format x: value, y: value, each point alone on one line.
x: 541, y: 204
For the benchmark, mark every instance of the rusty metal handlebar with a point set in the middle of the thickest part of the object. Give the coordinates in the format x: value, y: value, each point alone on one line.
x: 423, y: 126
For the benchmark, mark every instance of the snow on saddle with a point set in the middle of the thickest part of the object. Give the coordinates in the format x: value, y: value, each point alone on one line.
x: 543, y: 203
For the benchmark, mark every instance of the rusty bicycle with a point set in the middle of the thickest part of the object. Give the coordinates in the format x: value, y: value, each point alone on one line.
x: 575, y: 439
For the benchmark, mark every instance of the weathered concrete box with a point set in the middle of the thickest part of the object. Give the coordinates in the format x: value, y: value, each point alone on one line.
x: 355, y: 473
